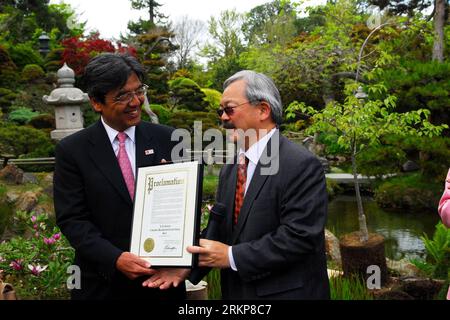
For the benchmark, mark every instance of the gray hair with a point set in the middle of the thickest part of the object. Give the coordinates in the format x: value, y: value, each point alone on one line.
x: 260, y: 88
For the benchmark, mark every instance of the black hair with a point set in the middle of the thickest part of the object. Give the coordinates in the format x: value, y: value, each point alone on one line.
x: 110, y: 71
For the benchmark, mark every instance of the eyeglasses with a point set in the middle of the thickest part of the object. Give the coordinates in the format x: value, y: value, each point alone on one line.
x: 230, y: 110
x: 128, y: 96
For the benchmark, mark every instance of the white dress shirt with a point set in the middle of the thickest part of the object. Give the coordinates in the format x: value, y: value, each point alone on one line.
x: 130, y: 145
x: 253, y: 155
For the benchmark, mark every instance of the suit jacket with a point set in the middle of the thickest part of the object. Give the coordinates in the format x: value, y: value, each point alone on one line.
x: 94, y: 209
x: 278, y: 241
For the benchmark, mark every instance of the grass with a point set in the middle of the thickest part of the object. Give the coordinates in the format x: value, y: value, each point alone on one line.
x: 342, y: 288
x: 349, y: 288
x: 213, y: 280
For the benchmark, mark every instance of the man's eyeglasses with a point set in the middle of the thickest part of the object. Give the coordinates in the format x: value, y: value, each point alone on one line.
x: 230, y: 110
x: 126, y: 97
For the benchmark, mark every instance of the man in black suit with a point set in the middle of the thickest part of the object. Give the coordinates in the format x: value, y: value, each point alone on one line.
x: 272, y: 243
x: 94, y: 184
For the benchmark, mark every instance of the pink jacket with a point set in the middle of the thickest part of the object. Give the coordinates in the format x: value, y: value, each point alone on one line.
x: 444, y: 203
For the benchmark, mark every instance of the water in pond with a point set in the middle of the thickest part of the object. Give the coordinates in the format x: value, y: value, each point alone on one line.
x: 401, y: 230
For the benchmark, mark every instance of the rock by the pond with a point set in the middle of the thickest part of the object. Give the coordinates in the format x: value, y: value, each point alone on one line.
x: 12, y: 196
x: 332, y: 247
x: 409, y: 166
x: 45, y: 208
x: 403, y: 267
x: 27, y: 201
x: 29, y: 178
x: 11, y: 174
x: 47, y: 184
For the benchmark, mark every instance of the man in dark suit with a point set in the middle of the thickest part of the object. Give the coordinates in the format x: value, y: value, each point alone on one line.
x: 94, y: 183
x: 272, y: 243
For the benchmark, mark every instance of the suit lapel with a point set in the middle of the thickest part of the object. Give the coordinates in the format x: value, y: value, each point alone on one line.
x: 229, y: 192
x: 257, y: 183
x: 102, y: 154
x: 146, y: 147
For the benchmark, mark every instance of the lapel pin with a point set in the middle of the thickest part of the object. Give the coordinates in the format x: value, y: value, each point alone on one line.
x: 149, y: 152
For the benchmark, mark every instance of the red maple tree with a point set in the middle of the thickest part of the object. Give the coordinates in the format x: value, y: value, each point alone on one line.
x: 77, y: 52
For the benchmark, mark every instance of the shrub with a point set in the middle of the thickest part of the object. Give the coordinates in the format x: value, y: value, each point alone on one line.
x: 23, y: 54
x: 212, y: 97
x: 43, y: 121
x: 187, y: 94
x: 36, y: 261
x: 437, y: 263
x: 6, y: 99
x: 164, y: 114
x: 8, y: 70
x: 32, y: 72
x: 89, y: 115
x: 409, y: 192
x: 432, y: 154
x: 22, y: 115
x: 185, y: 120
x: 24, y: 140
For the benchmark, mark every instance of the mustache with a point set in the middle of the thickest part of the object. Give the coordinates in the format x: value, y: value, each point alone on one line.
x: 228, y: 125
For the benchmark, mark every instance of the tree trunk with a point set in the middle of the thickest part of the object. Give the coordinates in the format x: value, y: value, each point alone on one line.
x: 151, y: 9
x: 439, y: 19
x: 361, y: 217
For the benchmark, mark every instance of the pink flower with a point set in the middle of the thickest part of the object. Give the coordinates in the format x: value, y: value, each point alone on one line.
x: 49, y: 241
x: 56, y: 236
x: 35, y: 226
x: 37, y: 269
x: 33, y: 219
x: 36, y: 234
x: 16, y: 264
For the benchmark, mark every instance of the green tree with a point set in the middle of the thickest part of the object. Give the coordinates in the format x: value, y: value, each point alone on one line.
x: 226, y: 33
x: 187, y: 94
x: 152, y: 6
x: 360, y: 124
x: 154, y: 49
x: 271, y: 23
x: 19, y: 20
x: 227, y: 44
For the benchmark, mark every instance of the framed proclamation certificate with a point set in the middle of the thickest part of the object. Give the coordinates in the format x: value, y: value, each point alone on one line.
x: 167, y: 213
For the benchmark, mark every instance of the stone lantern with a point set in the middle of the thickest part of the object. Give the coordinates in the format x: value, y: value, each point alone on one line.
x: 44, y: 44
x: 67, y: 101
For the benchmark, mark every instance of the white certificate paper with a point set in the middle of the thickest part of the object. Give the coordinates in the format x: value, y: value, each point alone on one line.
x: 166, y: 213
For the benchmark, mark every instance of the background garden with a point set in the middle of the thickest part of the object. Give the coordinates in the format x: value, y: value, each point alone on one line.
x: 396, y: 52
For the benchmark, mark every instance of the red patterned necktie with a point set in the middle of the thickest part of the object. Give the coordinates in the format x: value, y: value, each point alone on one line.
x: 125, y: 164
x: 240, y: 185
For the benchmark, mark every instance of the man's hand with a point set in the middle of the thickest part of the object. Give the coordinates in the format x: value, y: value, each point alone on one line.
x: 132, y: 266
x: 211, y: 254
x: 166, y: 277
